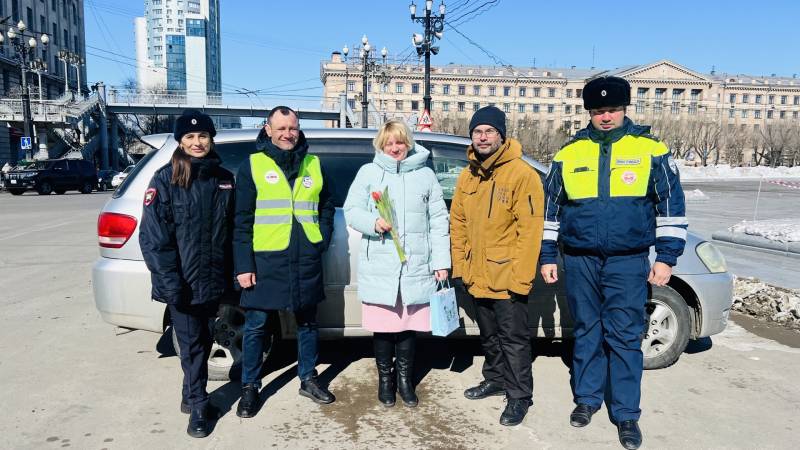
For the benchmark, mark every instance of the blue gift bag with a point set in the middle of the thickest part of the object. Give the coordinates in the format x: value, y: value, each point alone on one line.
x: 444, y: 311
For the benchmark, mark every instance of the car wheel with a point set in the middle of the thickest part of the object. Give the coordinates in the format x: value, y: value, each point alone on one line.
x: 16, y: 191
x: 86, y: 188
x: 44, y: 188
x: 101, y: 187
x: 225, y: 361
x: 59, y: 191
x: 668, y: 328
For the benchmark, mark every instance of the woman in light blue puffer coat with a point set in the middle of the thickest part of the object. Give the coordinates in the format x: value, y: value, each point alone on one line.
x: 395, y: 295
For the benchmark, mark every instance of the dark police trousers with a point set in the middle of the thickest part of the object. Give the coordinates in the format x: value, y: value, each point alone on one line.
x: 607, y: 297
x: 506, y: 342
x: 193, y: 326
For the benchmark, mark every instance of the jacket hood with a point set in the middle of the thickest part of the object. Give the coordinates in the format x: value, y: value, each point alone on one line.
x: 416, y: 159
x: 509, y: 151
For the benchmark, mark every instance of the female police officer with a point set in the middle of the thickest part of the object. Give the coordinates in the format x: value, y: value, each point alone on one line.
x: 185, y: 240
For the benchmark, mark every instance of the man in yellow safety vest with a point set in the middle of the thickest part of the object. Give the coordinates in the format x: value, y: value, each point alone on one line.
x: 283, y: 224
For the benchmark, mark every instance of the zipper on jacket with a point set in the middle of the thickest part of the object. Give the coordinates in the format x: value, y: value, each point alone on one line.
x: 491, y: 200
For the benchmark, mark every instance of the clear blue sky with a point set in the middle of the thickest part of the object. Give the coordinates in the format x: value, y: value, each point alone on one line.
x: 277, y: 46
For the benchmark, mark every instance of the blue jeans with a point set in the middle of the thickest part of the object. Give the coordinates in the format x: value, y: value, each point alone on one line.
x: 255, y: 326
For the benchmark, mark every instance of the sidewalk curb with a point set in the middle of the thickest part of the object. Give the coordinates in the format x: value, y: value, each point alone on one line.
x: 791, y: 249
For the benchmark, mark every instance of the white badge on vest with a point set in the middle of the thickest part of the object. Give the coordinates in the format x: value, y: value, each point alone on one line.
x: 272, y: 177
x: 307, y: 182
x: 629, y: 177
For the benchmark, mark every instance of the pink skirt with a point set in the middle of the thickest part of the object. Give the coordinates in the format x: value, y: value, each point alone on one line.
x: 393, y: 319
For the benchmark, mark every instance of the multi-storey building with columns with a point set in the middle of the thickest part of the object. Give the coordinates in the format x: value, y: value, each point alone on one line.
x: 63, y: 21
x: 551, y: 97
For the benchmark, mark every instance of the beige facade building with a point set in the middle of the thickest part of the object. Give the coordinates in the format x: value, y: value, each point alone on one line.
x: 551, y: 97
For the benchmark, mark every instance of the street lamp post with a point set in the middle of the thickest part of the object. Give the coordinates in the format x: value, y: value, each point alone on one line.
x: 434, y: 27
x: 368, y: 65
x: 345, y: 52
x: 76, y: 61
x: 24, y: 43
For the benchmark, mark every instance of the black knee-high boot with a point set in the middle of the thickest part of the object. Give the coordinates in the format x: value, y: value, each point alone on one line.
x: 405, y: 346
x: 384, y: 353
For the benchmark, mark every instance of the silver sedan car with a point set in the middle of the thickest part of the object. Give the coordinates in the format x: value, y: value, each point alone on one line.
x: 695, y: 304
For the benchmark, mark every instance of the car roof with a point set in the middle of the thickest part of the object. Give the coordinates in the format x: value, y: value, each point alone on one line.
x: 250, y: 134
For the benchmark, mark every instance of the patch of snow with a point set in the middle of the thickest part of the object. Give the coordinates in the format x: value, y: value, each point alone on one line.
x: 780, y: 230
x: 760, y: 300
x: 723, y: 172
x: 695, y: 196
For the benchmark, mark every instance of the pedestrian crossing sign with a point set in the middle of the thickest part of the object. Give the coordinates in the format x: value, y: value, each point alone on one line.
x: 425, y: 122
x: 25, y: 143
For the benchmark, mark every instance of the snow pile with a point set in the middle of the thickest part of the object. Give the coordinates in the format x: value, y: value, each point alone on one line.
x: 726, y: 172
x: 781, y: 230
x: 695, y: 196
x: 760, y: 300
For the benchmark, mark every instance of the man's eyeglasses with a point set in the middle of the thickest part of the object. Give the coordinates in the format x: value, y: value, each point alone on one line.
x: 490, y: 133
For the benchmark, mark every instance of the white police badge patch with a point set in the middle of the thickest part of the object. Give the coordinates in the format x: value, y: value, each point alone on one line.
x: 307, y: 182
x: 272, y: 177
x: 672, y: 166
x: 194, y: 121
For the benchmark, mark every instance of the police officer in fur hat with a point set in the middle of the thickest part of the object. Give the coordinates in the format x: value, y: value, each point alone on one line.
x: 612, y: 192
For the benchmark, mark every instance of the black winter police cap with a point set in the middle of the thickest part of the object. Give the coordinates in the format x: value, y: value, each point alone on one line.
x: 606, y: 91
x: 489, y: 115
x: 192, y: 121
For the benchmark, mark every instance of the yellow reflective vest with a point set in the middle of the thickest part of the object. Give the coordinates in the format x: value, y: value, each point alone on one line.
x: 277, y: 203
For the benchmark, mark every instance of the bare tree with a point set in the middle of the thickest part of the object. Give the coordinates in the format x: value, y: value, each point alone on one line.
x: 704, y: 139
x: 777, y: 138
x: 733, y: 143
x: 453, y: 124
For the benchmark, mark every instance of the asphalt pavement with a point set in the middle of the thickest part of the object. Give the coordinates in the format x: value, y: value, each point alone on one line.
x: 71, y: 380
x: 730, y: 202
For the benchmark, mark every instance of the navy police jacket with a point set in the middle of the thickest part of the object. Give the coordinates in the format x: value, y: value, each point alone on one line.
x: 614, y: 193
x: 185, y: 234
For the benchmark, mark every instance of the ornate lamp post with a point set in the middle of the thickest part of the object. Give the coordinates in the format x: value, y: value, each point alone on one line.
x: 434, y: 27
x: 368, y: 64
x: 24, y: 42
x: 74, y: 60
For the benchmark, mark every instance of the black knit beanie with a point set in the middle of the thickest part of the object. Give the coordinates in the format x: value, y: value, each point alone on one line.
x: 489, y: 115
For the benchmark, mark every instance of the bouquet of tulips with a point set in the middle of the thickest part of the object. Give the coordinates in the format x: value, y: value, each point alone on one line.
x: 386, y: 212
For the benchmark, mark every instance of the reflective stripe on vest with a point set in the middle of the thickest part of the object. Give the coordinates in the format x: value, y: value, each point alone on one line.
x: 277, y: 203
x: 630, y: 163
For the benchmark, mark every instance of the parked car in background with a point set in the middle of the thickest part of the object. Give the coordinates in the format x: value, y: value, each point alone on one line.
x: 695, y: 304
x: 104, y: 178
x: 53, y: 175
x: 120, y: 177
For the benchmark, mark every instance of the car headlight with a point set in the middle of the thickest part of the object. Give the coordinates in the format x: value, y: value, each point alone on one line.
x: 711, y: 257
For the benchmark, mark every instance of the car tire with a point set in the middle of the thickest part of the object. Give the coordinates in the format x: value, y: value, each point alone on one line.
x: 86, y: 188
x: 44, y: 188
x: 59, y: 191
x: 225, y: 363
x: 668, y: 328
x: 16, y: 191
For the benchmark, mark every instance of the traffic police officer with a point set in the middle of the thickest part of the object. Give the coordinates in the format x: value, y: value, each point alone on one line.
x: 185, y: 236
x: 283, y: 224
x: 612, y: 192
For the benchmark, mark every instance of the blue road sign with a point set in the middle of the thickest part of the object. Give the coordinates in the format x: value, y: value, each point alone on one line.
x: 25, y: 143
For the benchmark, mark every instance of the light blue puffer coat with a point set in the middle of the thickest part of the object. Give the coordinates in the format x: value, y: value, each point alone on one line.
x: 422, y: 225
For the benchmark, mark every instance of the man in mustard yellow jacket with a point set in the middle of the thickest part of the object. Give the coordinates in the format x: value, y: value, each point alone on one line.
x: 496, y: 222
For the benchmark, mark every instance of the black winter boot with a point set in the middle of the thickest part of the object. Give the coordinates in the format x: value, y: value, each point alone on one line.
x: 406, y: 344
x: 384, y: 353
